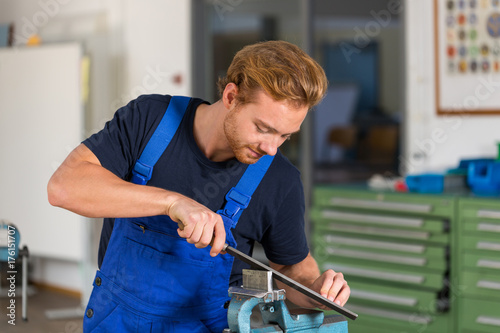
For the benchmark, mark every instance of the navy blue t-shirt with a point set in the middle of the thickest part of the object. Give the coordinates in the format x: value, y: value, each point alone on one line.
x: 275, y: 215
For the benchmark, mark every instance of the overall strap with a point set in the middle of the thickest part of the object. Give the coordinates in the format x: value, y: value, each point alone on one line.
x: 239, y: 196
x: 143, y: 168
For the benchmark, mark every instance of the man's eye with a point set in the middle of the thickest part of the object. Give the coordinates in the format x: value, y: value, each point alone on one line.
x: 260, y: 130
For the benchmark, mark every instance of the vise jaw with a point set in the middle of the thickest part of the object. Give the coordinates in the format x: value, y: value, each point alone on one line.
x: 257, y: 291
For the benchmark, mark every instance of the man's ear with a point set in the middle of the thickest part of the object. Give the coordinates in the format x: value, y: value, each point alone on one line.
x: 229, y: 95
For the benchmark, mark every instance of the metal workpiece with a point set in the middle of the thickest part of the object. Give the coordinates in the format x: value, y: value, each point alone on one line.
x: 257, y: 284
x: 260, y: 280
x: 266, y: 296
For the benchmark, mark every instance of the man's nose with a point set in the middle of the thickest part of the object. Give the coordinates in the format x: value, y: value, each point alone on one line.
x: 270, y: 147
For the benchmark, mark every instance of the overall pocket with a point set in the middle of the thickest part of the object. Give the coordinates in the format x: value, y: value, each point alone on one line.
x: 163, y: 279
x: 103, y: 314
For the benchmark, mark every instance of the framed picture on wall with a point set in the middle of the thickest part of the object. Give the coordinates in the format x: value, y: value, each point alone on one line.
x: 467, y: 47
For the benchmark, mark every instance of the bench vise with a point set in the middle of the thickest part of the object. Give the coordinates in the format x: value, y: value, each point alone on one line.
x: 257, y: 292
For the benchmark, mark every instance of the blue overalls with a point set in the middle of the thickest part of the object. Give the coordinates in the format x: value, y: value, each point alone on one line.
x: 152, y: 280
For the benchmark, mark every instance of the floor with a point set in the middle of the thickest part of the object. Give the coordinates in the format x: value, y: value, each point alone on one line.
x: 38, y: 303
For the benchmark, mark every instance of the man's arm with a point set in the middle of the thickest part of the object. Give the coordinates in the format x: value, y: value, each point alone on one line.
x: 83, y: 186
x: 330, y: 284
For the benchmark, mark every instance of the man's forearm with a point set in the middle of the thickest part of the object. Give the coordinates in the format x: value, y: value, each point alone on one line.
x: 83, y: 186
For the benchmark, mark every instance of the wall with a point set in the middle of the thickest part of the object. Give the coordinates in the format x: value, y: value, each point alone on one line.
x: 157, y: 48
x: 136, y: 47
x: 432, y: 142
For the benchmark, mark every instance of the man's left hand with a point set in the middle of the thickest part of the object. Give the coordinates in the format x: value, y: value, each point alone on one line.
x: 332, y: 285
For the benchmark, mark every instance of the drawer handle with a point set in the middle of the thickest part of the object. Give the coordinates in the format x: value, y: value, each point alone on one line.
x: 488, y: 320
x: 492, y: 214
x: 416, y: 279
x: 399, y: 221
x: 407, y: 301
x: 393, y: 315
x: 488, y: 227
x: 488, y: 246
x: 488, y: 263
x: 380, y: 231
x: 375, y: 244
x: 378, y: 257
x: 403, y: 207
x: 488, y: 284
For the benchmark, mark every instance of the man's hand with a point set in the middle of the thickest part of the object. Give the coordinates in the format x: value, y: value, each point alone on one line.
x: 332, y: 285
x: 199, y: 224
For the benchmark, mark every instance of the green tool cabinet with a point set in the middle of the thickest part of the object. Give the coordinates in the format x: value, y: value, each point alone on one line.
x: 394, y: 250
x: 414, y: 262
x: 479, y: 265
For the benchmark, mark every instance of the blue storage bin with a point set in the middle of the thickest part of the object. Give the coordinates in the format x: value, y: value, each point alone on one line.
x: 484, y: 177
x: 463, y: 166
x: 425, y: 183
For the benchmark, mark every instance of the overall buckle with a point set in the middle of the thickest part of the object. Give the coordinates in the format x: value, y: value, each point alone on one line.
x: 236, y: 201
x: 141, y: 173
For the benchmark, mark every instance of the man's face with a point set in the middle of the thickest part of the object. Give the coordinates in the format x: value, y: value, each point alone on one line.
x: 259, y: 128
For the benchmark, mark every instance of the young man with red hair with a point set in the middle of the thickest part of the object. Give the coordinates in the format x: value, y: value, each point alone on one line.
x: 157, y: 270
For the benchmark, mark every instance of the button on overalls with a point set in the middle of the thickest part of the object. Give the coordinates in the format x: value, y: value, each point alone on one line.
x: 153, y: 280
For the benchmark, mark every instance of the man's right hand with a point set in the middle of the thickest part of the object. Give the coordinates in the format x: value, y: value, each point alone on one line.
x: 199, y: 224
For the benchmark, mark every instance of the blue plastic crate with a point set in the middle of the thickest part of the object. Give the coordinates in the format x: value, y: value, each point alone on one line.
x: 425, y: 183
x: 463, y: 166
x: 484, y: 177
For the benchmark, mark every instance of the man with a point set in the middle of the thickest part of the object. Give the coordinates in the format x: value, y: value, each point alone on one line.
x: 158, y: 272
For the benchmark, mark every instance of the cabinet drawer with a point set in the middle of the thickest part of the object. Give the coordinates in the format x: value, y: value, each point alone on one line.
x: 383, y: 201
x: 392, y: 297
x: 374, y: 272
x: 388, y: 260
x: 487, y: 211
x: 491, y: 243
x: 325, y: 239
x: 482, y: 262
x: 325, y: 215
x: 479, y: 284
x: 481, y: 226
x: 480, y: 316
x: 383, y: 232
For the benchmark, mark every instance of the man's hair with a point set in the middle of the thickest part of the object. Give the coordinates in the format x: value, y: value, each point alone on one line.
x: 281, y: 69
